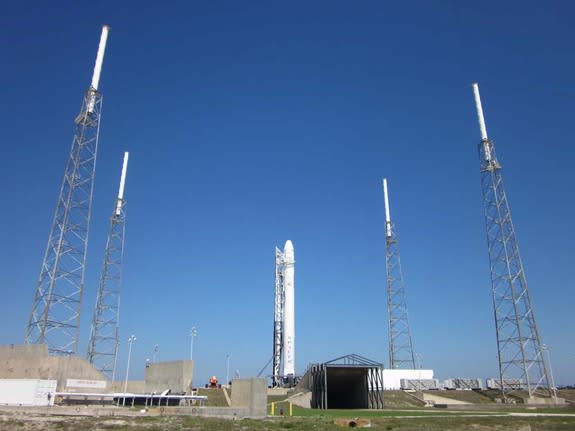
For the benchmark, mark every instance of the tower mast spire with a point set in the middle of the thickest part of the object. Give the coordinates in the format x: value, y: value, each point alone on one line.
x: 521, y: 361
x: 104, y: 334
x: 55, y: 315
x: 399, y: 332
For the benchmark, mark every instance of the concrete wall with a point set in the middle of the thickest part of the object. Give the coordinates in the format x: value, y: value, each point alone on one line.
x: 174, y: 375
x: 12, y: 351
x: 250, y: 394
x: 33, y: 362
x: 134, y: 386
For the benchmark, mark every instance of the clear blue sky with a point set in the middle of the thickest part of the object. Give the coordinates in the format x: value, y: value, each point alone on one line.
x: 253, y: 122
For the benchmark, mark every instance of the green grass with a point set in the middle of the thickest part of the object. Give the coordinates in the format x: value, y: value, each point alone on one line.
x: 216, y: 397
x: 336, y: 413
x: 400, y: 399
x: 467, y: 396
x: 276, y: 398
x: 425, y: 422
x: 568, y: 394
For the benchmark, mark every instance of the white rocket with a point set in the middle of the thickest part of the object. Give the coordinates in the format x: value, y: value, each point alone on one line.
x: 289, y: 312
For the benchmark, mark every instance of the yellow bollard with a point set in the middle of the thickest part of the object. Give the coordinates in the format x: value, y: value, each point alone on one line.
x: 273, y: 408
x: 290, y: 409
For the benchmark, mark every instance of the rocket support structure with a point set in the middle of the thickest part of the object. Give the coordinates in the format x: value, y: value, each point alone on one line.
x: 284, y: 317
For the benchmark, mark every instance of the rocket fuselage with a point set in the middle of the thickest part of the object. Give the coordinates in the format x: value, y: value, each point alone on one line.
x: 289, y: 312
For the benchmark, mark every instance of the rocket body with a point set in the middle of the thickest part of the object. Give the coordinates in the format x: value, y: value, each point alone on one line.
x: 289, y: 312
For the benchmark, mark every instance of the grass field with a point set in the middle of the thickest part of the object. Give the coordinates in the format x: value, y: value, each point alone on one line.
x: 406, y: 417
x: 216, y: 397
x: 316, y: 422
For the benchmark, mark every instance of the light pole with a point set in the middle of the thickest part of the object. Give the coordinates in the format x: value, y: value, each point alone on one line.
x: 418, y: 356
x: 156, y: 348
x: 130, y: 342
x: 228, y: 371
x: 193, y: 334
x: 553, y: 388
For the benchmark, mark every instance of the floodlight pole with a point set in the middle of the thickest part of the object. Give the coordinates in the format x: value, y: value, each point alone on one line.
x: 156, y: 348
x: 545, y: 348
x: 130, y: 342
x: 418, y: 356
x: 193, y: 334
x: 228, y: 370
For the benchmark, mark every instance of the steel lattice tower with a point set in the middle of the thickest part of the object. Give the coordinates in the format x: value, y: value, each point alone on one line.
x: 279, y: 301
x: 55, y: 315
x: 104, y: 334
x: 521, y: 360
x: 399, y: 332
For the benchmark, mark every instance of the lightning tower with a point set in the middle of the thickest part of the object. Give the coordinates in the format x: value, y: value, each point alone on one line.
x: 104, y: 334
x: 399, y: 332
x: 284, y: 317
x: 55, y: 315
x: 519, y: 349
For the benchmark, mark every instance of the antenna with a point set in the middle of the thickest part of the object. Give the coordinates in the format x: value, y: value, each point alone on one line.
x: 387, y: 217
x: 122, y: 183
x: 399, y: 331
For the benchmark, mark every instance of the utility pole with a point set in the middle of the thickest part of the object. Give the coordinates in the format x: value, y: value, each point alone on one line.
x: 55, y: 316
x: 519, y: 349
x: 399, y: 332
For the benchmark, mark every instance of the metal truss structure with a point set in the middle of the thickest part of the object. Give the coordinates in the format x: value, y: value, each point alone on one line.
x: 279, y: 305
x: 399, y: 331
x: 104, y: 334
x: 520, y: 353
x: 55, y: 315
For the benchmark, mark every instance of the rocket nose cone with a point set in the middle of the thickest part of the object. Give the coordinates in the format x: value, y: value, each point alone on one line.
x: 288, y: 250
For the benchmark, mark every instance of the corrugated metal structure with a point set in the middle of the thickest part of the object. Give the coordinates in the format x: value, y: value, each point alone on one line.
x: 347, y: 382
x: 419, y: 384
x: 508, y: 384
x: 465, y: 384
x: 392, y: 378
